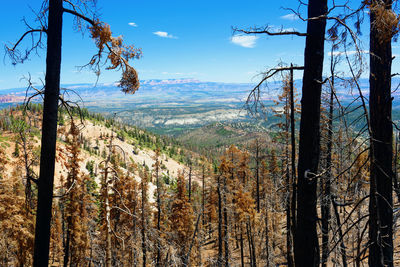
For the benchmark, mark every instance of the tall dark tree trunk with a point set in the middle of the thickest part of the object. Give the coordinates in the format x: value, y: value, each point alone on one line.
x: 380, y: 101
x: 66, y: 248
x: 266, y: 235
x: 49, y: 134
x: 249, y: 243
x: 241, y: 247
x: 293, y: 150
x: 203, y: 196
x: 134, y: 223
x: 326, y: 195
x: 219, y: 261
x: 190, y: 182
x: 225, y: 227
x: 342, y: 247
x: 306, y: 238
x: 289, y: 256
x: 108, y: 262
x: 252, y: 245
x: 144, y: 247
x: 395, y: 180
x: 158, y: 259
x: 258, y: 175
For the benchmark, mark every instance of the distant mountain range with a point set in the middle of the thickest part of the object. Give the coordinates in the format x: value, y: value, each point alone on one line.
x: 154, y: 91
x: 193, y: 90
x: 174, y: 106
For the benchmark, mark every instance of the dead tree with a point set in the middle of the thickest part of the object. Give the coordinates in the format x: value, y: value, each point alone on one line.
x: 49, y: 134
x: 118, y: 54
x: 254, y: 105
x: 306, y: 248
x: 383, y: 22
x: 326, y: 182
x: 220, y: 246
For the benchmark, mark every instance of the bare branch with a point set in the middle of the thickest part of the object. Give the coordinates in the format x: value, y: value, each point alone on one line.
x: 73, y: 12
x: 269, y: 31
x: 17, y: 56
x: 12, y: 49
x: 254, y: 95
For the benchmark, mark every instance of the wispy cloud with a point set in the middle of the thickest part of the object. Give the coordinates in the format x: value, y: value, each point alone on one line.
x: 290, y: 17
x: 165, y: 35
x: 133, y: 24
x: 248, y: 41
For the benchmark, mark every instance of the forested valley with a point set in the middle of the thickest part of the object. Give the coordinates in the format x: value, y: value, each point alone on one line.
x: 317, y: 187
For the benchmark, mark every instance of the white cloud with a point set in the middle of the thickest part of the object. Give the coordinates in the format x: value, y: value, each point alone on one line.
x: 248, y: 41
x: 289, y: 30
x: 164, y: 35
x: 290, y: 17
x: 133, y: 24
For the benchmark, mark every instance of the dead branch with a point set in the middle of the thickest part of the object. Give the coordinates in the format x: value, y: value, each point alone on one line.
x: 254, y: 95
x: 269, y: 31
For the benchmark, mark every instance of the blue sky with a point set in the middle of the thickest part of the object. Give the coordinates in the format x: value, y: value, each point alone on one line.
x: 179, y: 39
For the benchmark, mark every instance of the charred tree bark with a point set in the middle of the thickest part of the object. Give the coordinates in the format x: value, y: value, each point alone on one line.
x: 144, y: 248
x: 258, y: 175
x: 225, y: 227
x: 381, y: 173
x: 395, y: 180
x: 108, y: 215
x: 250, y: 248
x: 326, y: 201
x: 203, y: 195
x: 241, y: 247
x: 288, y: 207
x: 107, y: 207
x: 49, y: 134
x: 219, y: 261
x: 158, y: 259
x: 306, y: 238
x: 108, y: 237
x: 342, y: 247
x: 293, y: 151
x: 266, y: 236
x: 190, y: 182
x: 252, y: 245
x: 66, y: 248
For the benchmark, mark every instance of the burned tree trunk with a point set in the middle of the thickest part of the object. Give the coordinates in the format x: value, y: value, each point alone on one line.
x: 219, y: 261
x: 190, y: 182
x: 225, y: 225
x: 49, y: 134
x: 326, y: 184
x: 306, y: 239
x: 257, y: 174
x: 293, y: 151
x: 381, y: 173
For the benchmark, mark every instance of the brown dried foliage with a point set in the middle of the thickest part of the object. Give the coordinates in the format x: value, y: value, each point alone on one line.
x: 16, y: 222
x: 386, y: 20
x: 118, y: 55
